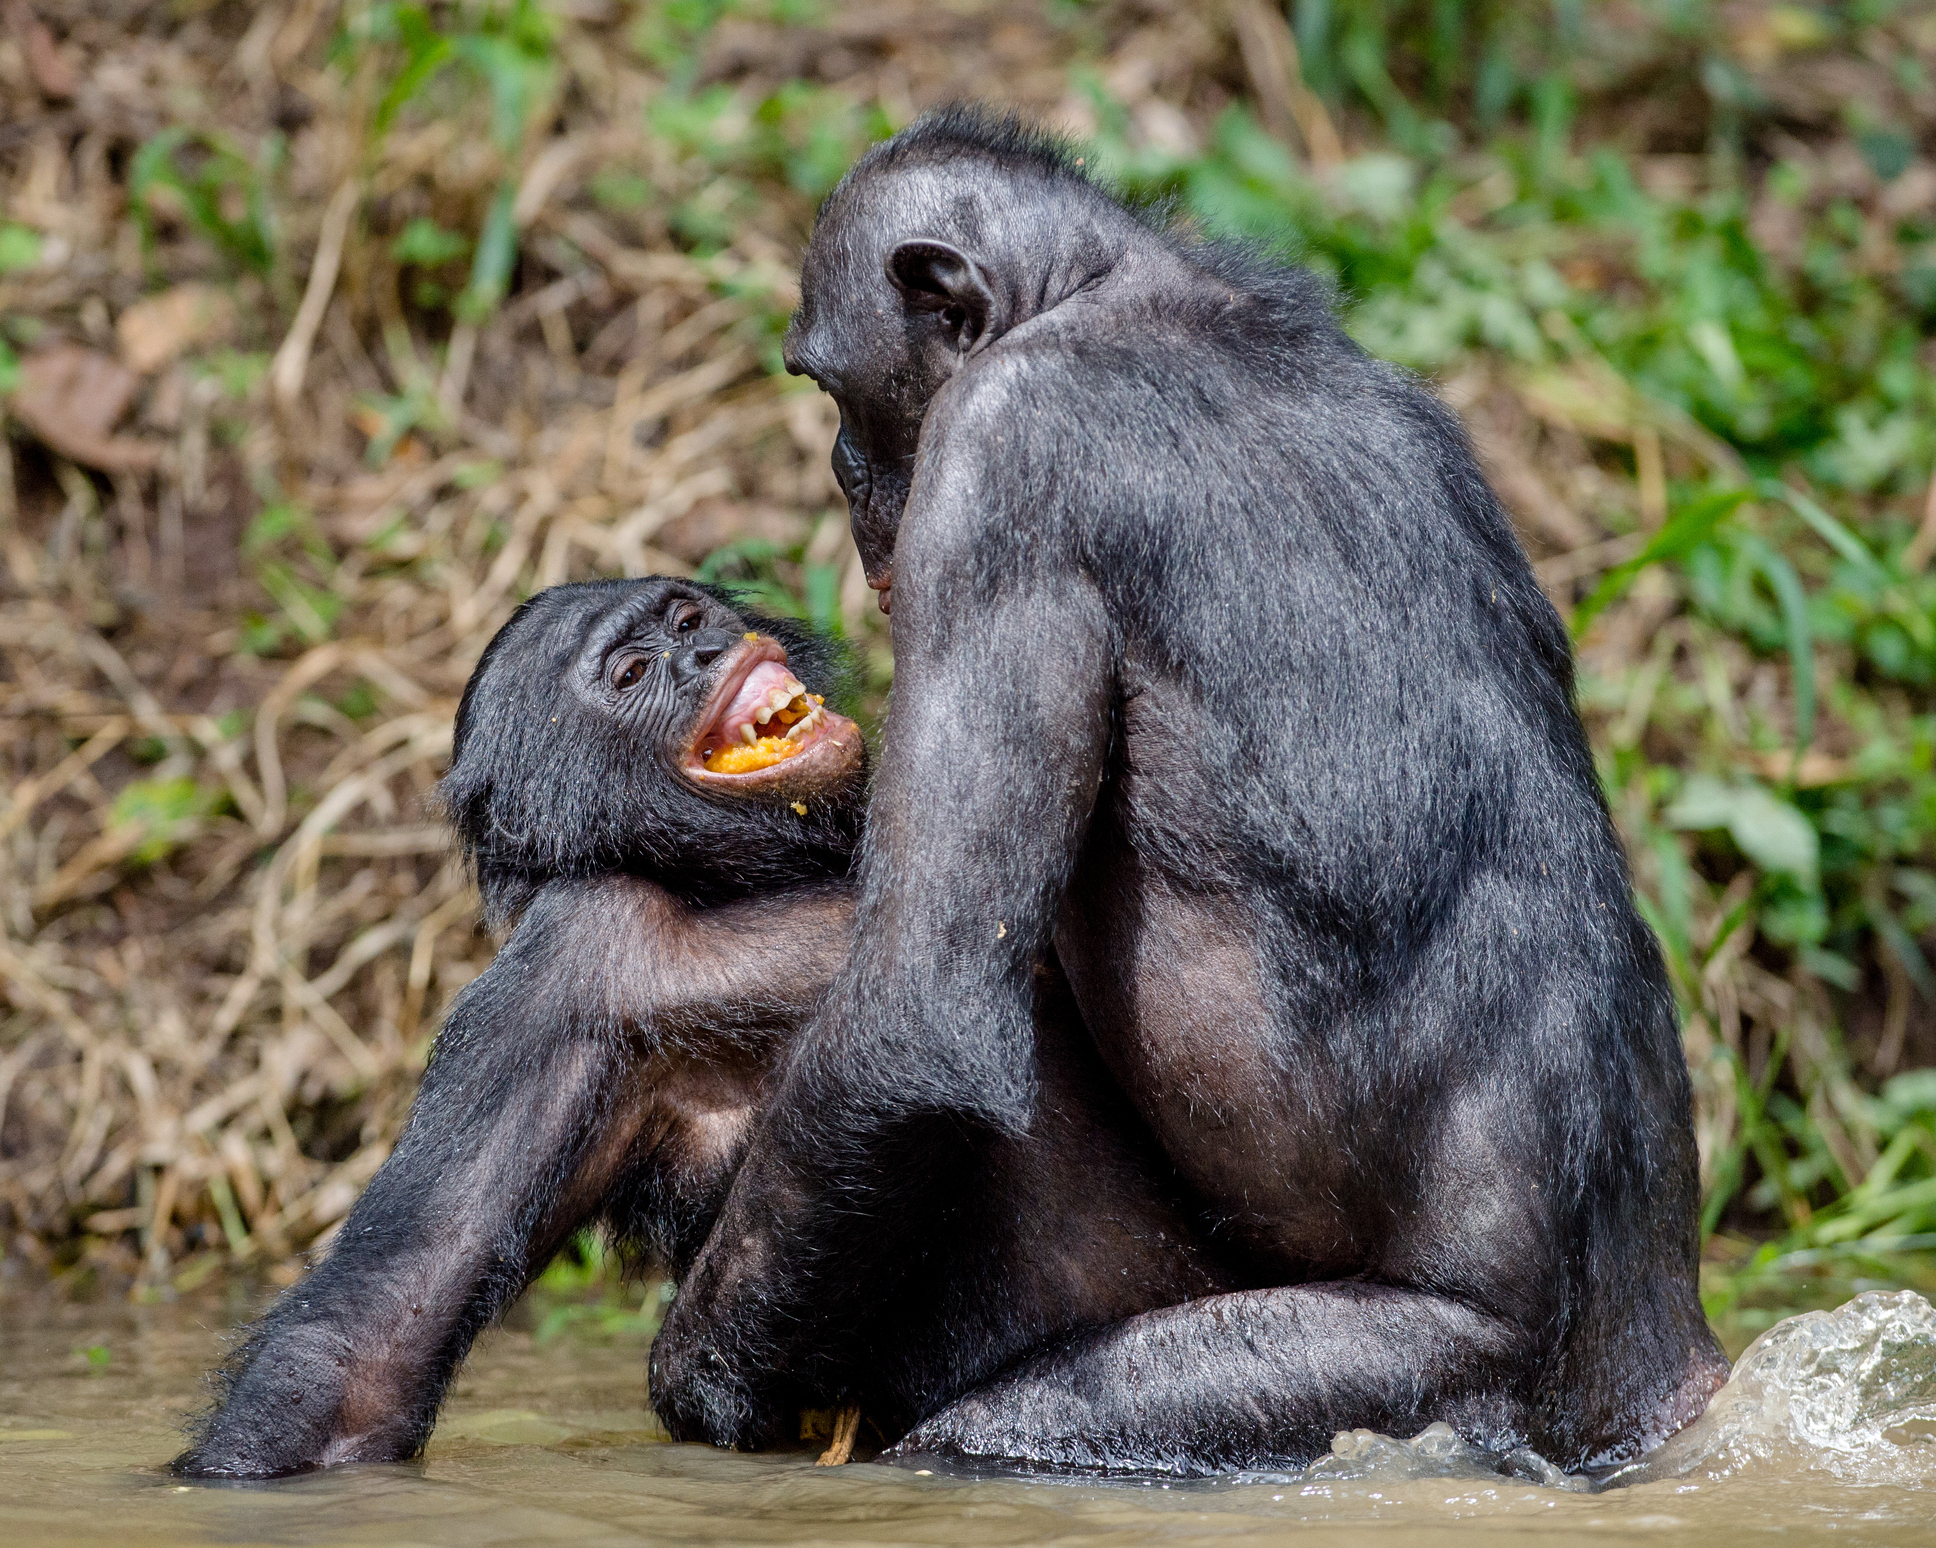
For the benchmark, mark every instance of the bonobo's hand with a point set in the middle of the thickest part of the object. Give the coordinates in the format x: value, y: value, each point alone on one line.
x: 285, y: 1412
x: 720, y: 1371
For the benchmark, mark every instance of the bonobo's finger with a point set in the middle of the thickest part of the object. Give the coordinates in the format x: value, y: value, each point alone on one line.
x: 696, y: 1393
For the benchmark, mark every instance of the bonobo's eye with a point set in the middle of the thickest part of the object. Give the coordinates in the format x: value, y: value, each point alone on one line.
x: 627, y: 672
x: 686, y: 617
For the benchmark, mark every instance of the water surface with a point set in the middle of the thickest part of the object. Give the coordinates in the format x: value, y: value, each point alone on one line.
x: 1828, y: 1434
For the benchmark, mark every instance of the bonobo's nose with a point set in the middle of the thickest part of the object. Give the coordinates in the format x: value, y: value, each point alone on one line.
x: 701, y: 651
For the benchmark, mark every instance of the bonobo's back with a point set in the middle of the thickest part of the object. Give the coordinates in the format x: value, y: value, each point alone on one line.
x: 576, y: 750
x: 1248, y: 586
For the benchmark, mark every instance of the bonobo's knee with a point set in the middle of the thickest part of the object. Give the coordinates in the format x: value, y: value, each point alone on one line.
x: 279, y: 1413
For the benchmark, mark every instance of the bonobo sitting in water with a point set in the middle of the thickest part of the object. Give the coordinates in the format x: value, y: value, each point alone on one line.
x: 661, y: 814
x: 1219, y: 673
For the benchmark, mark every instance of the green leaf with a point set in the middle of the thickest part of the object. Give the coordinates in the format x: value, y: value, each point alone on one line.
x: 427, y: 244
x: 1831, y: 531
x: 168, y: 809
x: 204, y: 171
x: 19, y: 247
x: 1692, y: 527
x: 426, y: 51
x: 497, y: 252
x: 1771, y: 832
x: 1793, y: 602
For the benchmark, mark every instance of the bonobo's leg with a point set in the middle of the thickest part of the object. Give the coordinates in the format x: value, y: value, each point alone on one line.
x: 1260, y: 1378
x: 538, y: 1100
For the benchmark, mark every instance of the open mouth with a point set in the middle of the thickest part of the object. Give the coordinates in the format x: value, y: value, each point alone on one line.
x: 764, y: 717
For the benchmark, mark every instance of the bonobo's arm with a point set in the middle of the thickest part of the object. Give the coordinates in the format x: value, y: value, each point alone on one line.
x: 542, y: 1095
x: 994, y: 753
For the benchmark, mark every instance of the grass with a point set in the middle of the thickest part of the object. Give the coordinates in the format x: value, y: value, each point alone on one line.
x: 1674, y: 263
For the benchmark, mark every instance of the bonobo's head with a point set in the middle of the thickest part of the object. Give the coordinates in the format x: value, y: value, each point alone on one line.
x: 936, y: 243
x: 647, y: 726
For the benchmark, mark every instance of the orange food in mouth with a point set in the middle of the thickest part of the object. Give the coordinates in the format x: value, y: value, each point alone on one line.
x: 746, y: 758
x: 796, y: 719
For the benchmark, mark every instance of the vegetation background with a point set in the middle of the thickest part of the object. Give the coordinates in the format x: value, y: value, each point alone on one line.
x: 329, y: 329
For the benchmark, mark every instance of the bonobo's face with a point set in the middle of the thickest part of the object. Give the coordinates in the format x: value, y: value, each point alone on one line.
x: 885, y: 319
x: 647, y: 726
x: 683, y: 676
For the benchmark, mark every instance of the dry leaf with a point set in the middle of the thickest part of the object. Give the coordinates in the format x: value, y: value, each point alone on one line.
x: 153, y: 332
x: 52, y: 72
x: 71, y: 398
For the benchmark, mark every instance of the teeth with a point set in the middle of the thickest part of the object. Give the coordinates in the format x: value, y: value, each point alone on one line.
x: 747, y: 734
x: 765, y: 714
x: 794, y: 688
x: 805, y: 724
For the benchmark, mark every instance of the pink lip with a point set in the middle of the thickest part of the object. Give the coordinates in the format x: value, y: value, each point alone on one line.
x: 746, y: 658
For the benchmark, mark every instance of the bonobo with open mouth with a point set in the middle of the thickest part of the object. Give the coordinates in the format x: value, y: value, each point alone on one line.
x: 593, y: 693
x: 765, y: 716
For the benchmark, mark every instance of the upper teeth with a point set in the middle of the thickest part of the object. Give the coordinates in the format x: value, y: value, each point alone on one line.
x: 778, y: 700
x: 803, y: 711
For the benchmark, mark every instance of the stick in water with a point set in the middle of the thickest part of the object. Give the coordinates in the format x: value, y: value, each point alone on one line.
x: 846, y: 1429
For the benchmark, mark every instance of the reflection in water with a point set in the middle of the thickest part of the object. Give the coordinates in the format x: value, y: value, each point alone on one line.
x: 1828, y: 1428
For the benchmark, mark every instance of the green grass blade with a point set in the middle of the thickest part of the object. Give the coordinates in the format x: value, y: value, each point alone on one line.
x: 1680, y: 536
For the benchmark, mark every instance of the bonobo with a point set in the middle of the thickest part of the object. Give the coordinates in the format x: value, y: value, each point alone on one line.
x: 661, y: 813
x: 1219, y: 672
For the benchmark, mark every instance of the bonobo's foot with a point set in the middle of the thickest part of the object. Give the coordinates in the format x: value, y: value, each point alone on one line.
x: 284, y: 1412
x: 1033, y: 1428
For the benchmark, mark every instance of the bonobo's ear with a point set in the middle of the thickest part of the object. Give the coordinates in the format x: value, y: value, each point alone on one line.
x: 935, y: 277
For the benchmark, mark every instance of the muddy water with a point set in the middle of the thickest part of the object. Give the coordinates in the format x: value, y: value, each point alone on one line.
x: 1824, y: 1435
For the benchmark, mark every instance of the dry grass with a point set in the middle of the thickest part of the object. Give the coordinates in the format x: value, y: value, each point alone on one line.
x: 231, y: 917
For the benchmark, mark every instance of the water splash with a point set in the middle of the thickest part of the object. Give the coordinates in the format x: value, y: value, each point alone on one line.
x: 1850, y: 1392
x: 1365, y: 1456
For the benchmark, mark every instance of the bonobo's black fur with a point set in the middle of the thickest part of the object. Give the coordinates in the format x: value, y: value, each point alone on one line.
x: 1218, y: 670
x: 554, y: 773
x: 609, y: 1066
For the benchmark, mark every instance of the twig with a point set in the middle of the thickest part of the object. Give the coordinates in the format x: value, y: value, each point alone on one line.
x: 457, y: 370
x: 1582, y: 562
x: 29, y: 793
x: 1269, y: 47
x: 292, y: 359
x: 1915, y: 558
x: 840, y: 1450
